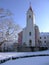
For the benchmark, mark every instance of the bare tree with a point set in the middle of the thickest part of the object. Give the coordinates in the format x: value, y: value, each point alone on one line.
x: 7, y: 26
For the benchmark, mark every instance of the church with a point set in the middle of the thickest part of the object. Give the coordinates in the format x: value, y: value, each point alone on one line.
x: 30, y: 34
x: 29, y: 39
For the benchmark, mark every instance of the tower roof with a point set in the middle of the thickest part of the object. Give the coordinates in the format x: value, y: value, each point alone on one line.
x: 30, y: 8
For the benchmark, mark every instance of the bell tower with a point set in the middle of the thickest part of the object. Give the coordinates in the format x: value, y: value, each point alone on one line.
x: 30, y: 31
x: 30, y: 16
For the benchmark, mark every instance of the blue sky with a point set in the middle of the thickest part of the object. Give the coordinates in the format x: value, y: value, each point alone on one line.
x: 20, y: 7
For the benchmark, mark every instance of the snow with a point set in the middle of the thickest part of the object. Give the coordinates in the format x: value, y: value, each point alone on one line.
x: 42, y: 60
x: 17, y: 54
x: 7, y: 55
x: 29, y: 61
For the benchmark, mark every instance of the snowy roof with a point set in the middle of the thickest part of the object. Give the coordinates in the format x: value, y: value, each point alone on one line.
x: 44, y: 33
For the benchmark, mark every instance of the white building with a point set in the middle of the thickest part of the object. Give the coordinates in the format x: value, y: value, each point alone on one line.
x: 30, y: 35
x: 44, y: 39
x: 29, y: 32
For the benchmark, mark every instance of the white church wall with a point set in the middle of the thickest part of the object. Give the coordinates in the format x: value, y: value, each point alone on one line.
x: 27, y: 38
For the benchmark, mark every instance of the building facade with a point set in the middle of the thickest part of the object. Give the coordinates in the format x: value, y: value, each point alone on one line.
x: 30, y: 34
x: 44, y: 39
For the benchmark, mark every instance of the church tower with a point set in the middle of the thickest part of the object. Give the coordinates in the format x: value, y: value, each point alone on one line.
x: 29, y: 31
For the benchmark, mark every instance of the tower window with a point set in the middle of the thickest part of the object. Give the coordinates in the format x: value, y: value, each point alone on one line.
x: 30, y: 33
x: 29, y: 16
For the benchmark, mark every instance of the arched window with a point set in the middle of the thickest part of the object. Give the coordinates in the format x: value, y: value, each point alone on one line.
x: 30, y: 42
x: 30, y: 33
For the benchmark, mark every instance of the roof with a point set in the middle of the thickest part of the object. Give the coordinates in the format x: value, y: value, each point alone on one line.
x: 30, y: 8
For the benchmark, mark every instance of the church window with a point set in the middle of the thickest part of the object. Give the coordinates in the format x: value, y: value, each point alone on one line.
x: 30, y: 33
x: 29, y: 16
x: 30, y: 42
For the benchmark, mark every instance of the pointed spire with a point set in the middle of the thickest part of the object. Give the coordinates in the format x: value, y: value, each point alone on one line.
x: 30, y: 8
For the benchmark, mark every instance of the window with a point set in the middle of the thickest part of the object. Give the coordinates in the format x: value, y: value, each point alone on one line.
x: 44, y: 41
x: 29, y: 16
x: 30, y: 33
x: 30, y: 42
x: 40, y: 37
x: 44, y: 37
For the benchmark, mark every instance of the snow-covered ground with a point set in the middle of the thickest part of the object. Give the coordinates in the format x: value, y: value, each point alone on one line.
x: 29, y: 61
x: 42, y: 60
x: 17, y: 54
